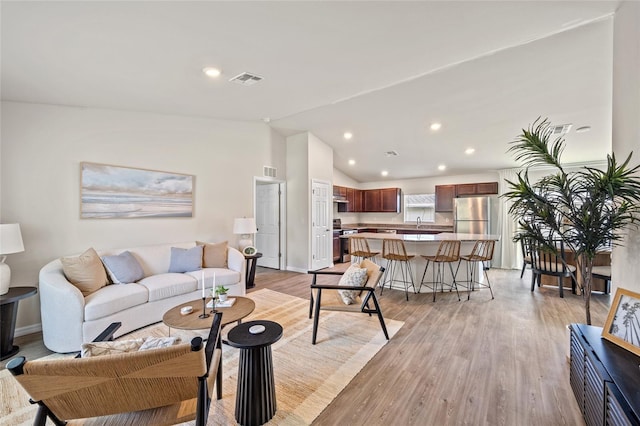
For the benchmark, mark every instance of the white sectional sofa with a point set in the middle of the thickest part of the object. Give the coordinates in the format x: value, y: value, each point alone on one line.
x: 69, y: 318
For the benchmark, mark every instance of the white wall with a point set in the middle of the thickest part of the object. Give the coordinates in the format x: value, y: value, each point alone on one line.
x: 308, y: 158
x: 626, y: 128
x: 41, y: 150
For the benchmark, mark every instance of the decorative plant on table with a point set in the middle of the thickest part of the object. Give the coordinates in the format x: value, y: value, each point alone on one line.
x: 221, y: 293
x: 586, y: 209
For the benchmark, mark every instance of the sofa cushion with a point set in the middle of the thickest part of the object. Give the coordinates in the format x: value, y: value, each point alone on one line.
x: 225, y: 277
x: 85, y: 271
x: 162, y: 286
x: 185, y: 260
x: 112, y: 299
x: 215, y: 255
x: 123, y: 268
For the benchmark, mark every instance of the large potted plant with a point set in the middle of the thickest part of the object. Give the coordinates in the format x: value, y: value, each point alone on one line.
x: 587, y: 209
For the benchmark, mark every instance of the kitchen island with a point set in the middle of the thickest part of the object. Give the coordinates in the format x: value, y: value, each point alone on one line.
x: 425, y: 244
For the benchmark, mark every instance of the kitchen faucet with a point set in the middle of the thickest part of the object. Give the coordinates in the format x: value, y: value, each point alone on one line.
x: 418, y: 222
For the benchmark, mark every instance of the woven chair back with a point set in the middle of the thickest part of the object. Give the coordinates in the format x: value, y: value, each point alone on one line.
x: 448, y: 251
x: 482, y: 251
x: 359, y: 247
x: 394, y: 249
x: 104, y: 385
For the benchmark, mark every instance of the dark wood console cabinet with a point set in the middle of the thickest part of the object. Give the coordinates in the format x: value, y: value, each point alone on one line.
x: 605, y: 378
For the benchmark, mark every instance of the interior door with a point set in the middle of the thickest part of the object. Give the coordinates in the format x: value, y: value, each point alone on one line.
x: 268, y: 223
x: 321, y: 226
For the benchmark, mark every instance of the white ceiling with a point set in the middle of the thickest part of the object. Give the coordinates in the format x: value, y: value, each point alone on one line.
x: 381, y: 70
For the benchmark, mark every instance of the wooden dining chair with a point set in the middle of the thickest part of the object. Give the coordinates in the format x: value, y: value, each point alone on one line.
x: 603, y: 272
x: 544, y: 262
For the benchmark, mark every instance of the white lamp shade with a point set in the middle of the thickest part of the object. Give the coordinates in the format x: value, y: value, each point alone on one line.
x: 10, y: 238
x: 244, y: 225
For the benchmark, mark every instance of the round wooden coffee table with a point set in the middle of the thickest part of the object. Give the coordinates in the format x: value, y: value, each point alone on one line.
x: 242, y: 307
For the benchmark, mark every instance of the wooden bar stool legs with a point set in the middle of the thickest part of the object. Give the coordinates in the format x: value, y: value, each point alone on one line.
x: 448, y: 252
x: 394, y: 251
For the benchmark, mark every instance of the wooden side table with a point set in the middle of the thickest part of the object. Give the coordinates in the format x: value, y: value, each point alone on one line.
x: 8, y: 315
x: 251, y: 269
x: 256, y: 391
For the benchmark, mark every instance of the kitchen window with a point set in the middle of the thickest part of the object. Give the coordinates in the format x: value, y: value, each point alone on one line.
x: 421, y: 206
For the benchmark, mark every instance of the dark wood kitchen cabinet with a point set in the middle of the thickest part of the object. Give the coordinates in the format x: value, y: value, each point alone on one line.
x: 484, y: 188
x: 444, y: 197
x: 354, y: 196
x: 336, y: 246
x: 390, y: 200
x: 339, y: 191
x: 372, y: 200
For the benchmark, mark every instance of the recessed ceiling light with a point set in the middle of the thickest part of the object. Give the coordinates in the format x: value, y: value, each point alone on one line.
x: 348, y: 135
x: 469, y: 151
x: 352, y: 162
x: 442, y: 167
x: 384, y: 173
x: 212, y: 72
x: 435, y: 126
x: 583, y: 129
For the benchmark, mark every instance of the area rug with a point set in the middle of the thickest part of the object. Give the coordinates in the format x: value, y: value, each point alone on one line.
x: 308, y: 377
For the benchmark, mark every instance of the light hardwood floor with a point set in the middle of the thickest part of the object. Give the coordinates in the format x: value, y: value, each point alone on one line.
x: 477, y: 362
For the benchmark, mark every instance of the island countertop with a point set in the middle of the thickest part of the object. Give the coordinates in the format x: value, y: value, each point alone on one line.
x: 425, y: 237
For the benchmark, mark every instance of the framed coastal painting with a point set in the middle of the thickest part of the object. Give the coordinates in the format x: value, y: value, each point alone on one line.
x: 108, y: 192
x: 623, y: 323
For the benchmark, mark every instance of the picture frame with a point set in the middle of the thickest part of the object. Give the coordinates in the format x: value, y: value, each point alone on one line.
x: 622, y: 326
x: 249, y: 251
x: 109, y: 192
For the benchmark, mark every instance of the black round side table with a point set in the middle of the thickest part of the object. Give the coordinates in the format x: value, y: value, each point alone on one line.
x: 256, y: 392
x: 8, y: 315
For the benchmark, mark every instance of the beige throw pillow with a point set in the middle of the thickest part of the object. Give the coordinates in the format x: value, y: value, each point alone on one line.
x: 214, y: 255
x: 85, y: 271
x: 355, y: 276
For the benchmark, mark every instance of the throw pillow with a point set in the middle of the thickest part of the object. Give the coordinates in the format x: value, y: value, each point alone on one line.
x: 185, y: 260
x: 85, y: 271
x: 354, y: 276
x: 215, y: 255
x: 110, y: 347
x: 159, y: 342
x: 123, y: 268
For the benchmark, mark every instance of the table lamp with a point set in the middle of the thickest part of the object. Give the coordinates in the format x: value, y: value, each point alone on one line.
x: 245, y: 227
x: 10, y: 242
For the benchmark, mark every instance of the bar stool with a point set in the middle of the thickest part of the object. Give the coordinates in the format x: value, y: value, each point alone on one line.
x: 482, y: 252
x: 359, y: 249
x: 448, y: 252
x: 394, y: 251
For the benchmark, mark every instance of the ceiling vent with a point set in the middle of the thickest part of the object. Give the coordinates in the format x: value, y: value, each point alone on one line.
x: 391, y: 153
x: 246, y: 79
x: 560, y: 129
x: 269, y: 171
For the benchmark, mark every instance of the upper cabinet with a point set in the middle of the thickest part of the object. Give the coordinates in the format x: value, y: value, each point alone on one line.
x: 484, y: 188
x: 446, y: 193
x: 385, y: 200
x: 444, y: 197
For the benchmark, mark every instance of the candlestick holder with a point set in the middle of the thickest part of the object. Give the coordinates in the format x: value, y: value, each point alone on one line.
x: 204, y: 313
x: 213, y: 300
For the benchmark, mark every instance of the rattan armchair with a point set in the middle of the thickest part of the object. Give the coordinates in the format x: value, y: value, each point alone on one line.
x: 325, y: 297
x: 155, y: 387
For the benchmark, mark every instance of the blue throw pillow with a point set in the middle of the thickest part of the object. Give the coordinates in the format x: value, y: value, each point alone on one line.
x: 123, y: 268
x: 186, y: 260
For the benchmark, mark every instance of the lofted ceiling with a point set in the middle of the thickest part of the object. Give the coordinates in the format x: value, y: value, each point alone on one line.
x: 383, y: 71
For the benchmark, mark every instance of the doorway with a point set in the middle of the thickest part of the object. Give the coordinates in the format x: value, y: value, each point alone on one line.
x: 269, y: 202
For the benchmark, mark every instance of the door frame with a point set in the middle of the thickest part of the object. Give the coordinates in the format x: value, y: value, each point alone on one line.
x: 282, y: 186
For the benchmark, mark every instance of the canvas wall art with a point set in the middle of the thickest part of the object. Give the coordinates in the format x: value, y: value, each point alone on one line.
x: 108, y: 192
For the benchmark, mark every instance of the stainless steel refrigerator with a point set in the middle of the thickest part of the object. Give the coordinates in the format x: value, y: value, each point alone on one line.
x: 472, y: 215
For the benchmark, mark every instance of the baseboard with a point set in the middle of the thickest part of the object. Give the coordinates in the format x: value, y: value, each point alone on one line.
x: 29, y: 329
x: 294, y: 269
